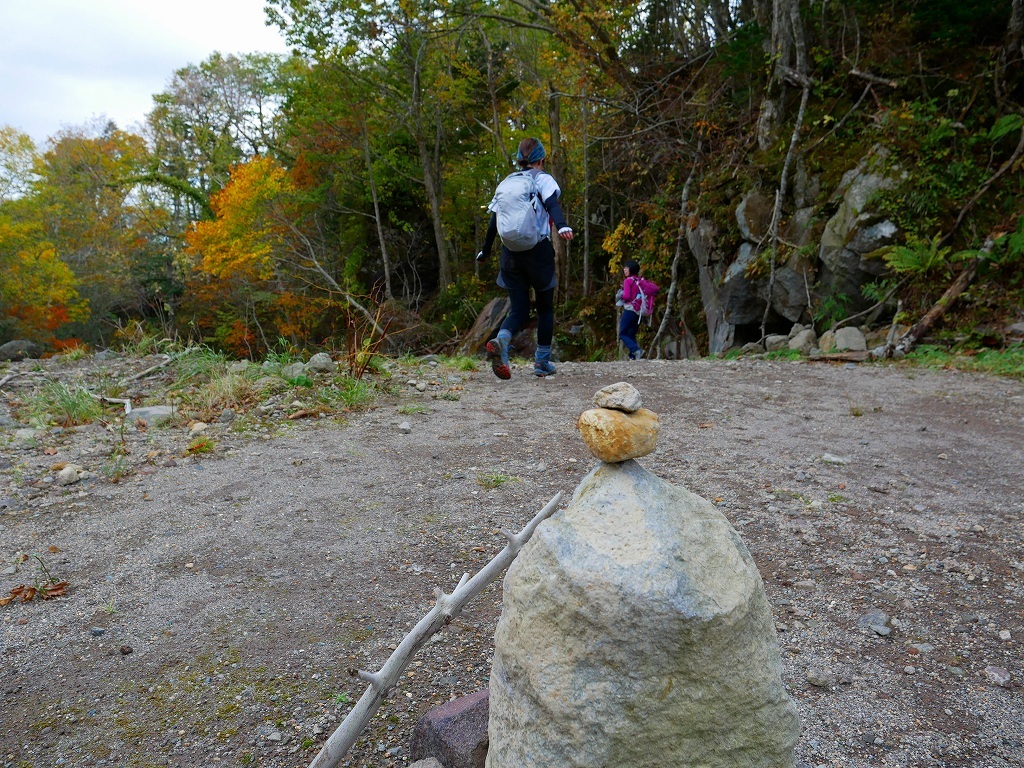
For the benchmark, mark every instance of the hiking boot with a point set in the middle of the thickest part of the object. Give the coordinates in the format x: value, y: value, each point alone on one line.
x: 497, y: 355
x: 543, y: 368
x: 638, y: 355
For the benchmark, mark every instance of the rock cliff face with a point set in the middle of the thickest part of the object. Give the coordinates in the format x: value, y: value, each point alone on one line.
x: 635, y: 632
x: 836, y: 239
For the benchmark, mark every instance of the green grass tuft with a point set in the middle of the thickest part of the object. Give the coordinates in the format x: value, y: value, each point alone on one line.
x: 61, y: 404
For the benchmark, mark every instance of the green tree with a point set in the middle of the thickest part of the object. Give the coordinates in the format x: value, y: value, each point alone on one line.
x: 99, y: 221
x: 17, y: 156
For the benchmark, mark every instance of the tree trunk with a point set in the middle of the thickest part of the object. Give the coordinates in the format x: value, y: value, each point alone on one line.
x: 710, y: 272
x: 376, y: 214
x: 556, y: 162
x: 430, y: 162
x: 586, y: 196
x: 684, y: 225
x: 432, y: 182
x: 1012, y: 51
x: 780, y: 50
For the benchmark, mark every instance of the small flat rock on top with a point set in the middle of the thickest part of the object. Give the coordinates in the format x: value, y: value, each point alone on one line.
x: 621, y: 396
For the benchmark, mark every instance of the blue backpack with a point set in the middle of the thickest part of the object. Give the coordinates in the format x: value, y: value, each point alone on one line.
x: 516, y: 204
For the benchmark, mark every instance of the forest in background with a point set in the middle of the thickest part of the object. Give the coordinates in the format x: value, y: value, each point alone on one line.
x: 337, y: 196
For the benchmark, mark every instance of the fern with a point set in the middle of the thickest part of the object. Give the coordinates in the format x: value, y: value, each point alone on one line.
x: 917, y: 256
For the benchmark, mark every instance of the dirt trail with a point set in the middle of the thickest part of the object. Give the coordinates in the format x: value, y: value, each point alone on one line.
x: 216, y: 605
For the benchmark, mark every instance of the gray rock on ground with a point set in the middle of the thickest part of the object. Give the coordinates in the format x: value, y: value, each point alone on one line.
x: 850, y: 339
x: 152, y: 414
x: 804, y: 341
x: 321, y: 362
x: 19, y: 349
x: 454, y: 733
x: 293, y: 371
x: 635, y: 631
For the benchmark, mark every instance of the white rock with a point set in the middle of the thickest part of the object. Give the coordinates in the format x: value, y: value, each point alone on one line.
x: 635, y: 632
x: 197, y: 428
x: 405, y: 428
x: 831, y: 458
x: 621, y: 396
x: 69, y: 475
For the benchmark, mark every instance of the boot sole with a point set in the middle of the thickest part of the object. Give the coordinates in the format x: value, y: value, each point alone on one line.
x: 500, y: 369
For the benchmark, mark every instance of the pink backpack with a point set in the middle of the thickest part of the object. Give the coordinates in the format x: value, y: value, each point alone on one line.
x: 643, y: 304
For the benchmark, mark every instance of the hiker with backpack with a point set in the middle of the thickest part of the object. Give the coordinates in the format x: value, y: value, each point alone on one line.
x: 636, y: 297
x: 524, y: 207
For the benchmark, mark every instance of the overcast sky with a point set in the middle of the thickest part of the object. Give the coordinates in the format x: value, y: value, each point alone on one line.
x: 65, y: 62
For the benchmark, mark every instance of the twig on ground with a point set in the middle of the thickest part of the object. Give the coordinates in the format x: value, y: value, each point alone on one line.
x: 158, y: 366
x: 446, y: 607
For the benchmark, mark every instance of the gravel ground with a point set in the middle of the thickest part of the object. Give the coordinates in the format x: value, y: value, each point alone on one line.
x: 216, y: 605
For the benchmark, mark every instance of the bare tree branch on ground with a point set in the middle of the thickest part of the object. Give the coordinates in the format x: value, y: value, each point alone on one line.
x: 446, y: 607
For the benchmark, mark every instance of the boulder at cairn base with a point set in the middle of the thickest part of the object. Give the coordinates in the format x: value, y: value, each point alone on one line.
x: 635, y: 631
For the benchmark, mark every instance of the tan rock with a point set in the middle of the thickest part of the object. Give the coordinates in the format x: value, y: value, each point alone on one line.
x: 614, y: 436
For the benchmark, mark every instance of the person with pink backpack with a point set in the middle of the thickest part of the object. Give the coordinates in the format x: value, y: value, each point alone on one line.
x: 637, y: 301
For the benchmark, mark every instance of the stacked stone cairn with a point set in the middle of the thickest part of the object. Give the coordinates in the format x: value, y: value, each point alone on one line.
x: 635, y: 630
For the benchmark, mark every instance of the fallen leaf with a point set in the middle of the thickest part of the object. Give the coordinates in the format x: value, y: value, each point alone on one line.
x: 58, y: 466
x: 301, y: 414
x: 705, y: 425
x: 5, y: 600
x: 50, y: 451
x: 28, y: 595
x: 52, y: 549
x: 56, y: 590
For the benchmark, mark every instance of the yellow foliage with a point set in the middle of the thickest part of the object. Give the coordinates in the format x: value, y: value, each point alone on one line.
x: 37, y: 289
x: 619, y: 245
x: 242, y: 239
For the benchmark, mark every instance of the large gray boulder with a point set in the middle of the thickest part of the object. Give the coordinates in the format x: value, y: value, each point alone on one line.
x: 740, y: 296
x: 850, y: 339
x: 754, y: 214
x: 19, y: 349
x: 635, y: 632
x: 854, y: 232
